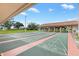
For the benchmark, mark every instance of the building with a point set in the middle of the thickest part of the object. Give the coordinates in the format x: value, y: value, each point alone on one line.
x: 2, y: 27
x: 67, y: 26
x: 12, y: 27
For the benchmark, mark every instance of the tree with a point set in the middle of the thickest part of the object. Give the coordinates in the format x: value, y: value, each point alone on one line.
x: 8, y: 24
x: 18, y: 25
x: 32, y: 26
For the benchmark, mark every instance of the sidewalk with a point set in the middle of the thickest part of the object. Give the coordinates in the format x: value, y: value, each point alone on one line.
x: 72, y: 48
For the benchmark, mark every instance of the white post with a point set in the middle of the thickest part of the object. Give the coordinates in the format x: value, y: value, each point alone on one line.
x: 78, y: 28
x: 23, y: 13
x: 25, y: 23
x: 49, y: 29
x: 78, y: 18
x: 54, y: 29
x: 60, y: 29
x: 68, y: 28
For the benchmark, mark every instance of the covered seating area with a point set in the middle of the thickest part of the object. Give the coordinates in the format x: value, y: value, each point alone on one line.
x: 67, y: 26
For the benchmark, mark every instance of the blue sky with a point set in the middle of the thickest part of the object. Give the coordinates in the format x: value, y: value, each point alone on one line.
x: 48, y: 12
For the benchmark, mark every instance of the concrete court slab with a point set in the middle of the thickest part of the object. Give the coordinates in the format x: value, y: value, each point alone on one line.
x: 11, y: 45
x: 58, y: 44
x: 14, y: 44
x: 6, y: 37
x: 38, y: 51
x: 42, y: 35
x: 20, y: 49
x: 17, y: 43
x: 48, y: 48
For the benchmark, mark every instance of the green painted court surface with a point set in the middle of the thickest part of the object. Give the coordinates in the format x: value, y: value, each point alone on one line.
x: 56, y: 46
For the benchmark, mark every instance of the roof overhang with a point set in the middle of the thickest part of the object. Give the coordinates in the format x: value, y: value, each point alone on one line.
x: 8, y: 10
x: 58, y: 24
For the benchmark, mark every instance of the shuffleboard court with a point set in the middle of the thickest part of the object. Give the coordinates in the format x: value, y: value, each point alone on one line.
x: 37, y: 37
x: 38, y: 51
x: 5, y: 37
x: 11, y: 45
x: 17, y: 43
x: 56, y: 46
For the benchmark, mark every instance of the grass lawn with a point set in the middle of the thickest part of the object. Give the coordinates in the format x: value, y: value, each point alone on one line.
x: 14, y: 31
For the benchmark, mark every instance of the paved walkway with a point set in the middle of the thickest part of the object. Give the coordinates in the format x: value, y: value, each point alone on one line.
x: 72, y: 48
x: 23, y: 48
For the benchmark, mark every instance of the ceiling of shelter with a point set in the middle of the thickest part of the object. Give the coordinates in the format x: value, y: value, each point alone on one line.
x: 8, y: 10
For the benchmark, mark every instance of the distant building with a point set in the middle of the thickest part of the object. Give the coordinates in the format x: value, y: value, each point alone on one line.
x: 68, y: 26
x: 12, y: 27
x: 2, y: 27
x: 21, y: 27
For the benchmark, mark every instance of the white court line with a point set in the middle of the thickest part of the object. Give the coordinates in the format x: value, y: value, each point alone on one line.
x: 63, y: 46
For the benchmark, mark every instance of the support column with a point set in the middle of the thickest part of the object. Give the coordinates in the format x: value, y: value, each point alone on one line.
x: 39, y: 29
x: 60, y: 29
x: 43, y: 29
x: 68, y: 29
x: 78, y: 28
x: 49, y: 29
x: 54, y: 29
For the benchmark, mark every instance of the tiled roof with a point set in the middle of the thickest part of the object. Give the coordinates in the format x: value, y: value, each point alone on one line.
x: 67, y: 23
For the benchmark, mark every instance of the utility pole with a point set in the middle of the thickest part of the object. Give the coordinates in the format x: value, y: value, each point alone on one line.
x: 23, y: 13
x: 25, y: 23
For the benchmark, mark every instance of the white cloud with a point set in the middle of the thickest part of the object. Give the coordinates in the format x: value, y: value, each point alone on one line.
x: 34, y: 10
x: 68, y: 6
x: 23, y: 13
x: 51, y: 10
x: 72, y: 19
x: 71, y: 7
